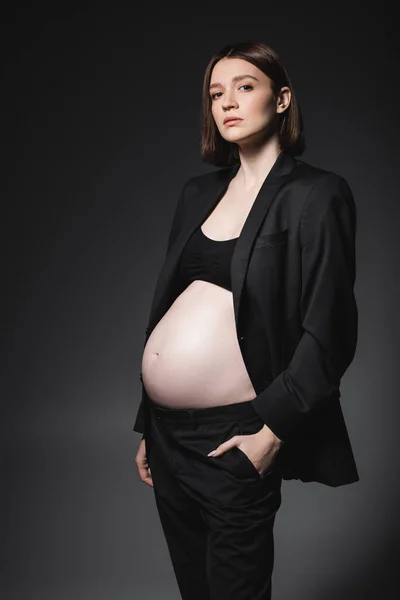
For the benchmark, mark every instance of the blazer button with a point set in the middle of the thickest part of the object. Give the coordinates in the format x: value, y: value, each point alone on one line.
x: 140, y: 376
x: 147, y: 329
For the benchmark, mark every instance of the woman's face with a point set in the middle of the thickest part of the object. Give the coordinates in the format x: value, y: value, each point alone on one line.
x: 239, y: 89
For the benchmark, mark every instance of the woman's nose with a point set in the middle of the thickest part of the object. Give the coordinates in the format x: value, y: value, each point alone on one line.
x: 229, y: 101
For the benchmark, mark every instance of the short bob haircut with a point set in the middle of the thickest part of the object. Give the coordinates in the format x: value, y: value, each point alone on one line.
x: 215, y: 150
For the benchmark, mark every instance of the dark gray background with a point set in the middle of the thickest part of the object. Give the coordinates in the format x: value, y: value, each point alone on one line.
x: 104, y: 103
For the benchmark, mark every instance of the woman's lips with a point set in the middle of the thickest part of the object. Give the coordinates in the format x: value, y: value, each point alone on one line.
x: 232, y: 122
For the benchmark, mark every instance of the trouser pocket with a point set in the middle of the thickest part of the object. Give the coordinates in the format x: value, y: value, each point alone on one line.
x: 190, y: 443
x: 250, y: 427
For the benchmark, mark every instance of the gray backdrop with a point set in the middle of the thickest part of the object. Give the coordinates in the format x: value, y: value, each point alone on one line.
x: 104, y: 103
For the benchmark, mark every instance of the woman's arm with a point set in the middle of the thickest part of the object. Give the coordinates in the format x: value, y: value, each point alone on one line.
x: 328, y: 309
x: 177, y: 218
x: 174, y: 230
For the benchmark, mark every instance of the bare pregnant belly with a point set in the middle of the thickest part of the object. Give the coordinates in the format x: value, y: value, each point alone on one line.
x: 192, y: 358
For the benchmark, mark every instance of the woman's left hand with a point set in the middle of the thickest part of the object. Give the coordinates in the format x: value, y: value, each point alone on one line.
x: 261, y: 448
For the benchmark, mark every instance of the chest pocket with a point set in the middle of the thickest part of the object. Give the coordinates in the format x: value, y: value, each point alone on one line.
x: 271, y: 239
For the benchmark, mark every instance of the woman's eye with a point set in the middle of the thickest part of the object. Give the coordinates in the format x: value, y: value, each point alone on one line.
x: 247, y: 85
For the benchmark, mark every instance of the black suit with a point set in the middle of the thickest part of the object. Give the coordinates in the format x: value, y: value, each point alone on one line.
x: 293, y: 273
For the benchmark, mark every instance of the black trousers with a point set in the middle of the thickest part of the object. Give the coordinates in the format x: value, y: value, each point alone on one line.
x: 217, y: 514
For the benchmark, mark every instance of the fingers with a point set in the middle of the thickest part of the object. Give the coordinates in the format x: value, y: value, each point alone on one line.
x: 143, y: 466
x: 225, y: 446
x: 145, y: 474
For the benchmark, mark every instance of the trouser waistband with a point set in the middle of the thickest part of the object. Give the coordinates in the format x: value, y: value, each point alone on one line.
x: 226, y: 412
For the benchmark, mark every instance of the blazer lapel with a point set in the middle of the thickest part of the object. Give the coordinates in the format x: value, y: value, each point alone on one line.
x: 201, y: 207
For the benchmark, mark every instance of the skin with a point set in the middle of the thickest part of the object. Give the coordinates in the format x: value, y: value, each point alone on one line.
x: 257, y: 140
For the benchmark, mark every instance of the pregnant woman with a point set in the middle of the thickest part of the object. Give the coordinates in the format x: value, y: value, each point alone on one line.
x: 252, y: 325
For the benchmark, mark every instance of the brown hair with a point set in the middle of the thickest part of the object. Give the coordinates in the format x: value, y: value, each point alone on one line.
x: 215, y: 149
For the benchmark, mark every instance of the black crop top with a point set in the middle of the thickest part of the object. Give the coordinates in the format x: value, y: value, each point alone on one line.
x: 207, y: 259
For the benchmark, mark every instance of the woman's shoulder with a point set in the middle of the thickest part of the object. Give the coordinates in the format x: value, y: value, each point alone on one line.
x: 304, y: 173
x: 206, y: 180
x: 311, y: 175
x: 323, y: 188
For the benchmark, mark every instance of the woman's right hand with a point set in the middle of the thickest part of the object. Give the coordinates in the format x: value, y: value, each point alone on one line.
x: 142, y: 464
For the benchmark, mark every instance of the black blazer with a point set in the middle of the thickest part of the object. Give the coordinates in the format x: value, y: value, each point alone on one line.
x: 293, y: 274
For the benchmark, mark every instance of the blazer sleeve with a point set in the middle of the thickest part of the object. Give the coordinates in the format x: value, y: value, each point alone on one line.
x: 328, y: 310
x: 177, y: 217
x: 173, y: 232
